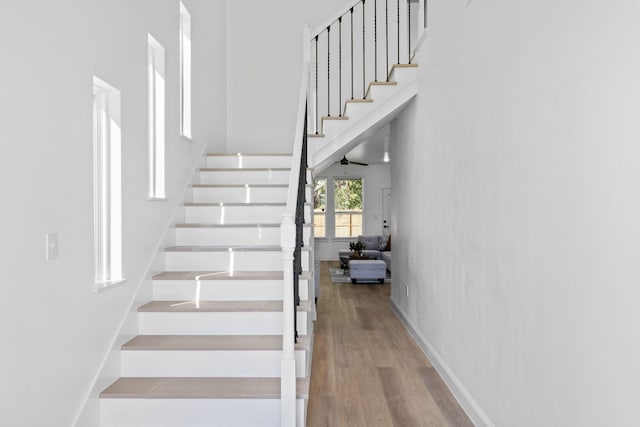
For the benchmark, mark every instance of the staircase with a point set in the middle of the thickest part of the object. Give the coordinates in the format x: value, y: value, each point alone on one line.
x: 362, y: 117
x: 210, y: 342
x: 215, y: 344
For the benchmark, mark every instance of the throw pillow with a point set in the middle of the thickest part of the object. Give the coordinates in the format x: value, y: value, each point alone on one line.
x: 383, y: 243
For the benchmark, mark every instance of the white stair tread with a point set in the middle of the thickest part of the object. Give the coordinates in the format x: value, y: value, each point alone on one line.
x: 200, y: 388
x: 217, y: 306
x: 211, y: 342
x: 237, y: 248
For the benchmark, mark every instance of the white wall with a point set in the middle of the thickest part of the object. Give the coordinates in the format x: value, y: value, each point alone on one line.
x: 376, y: 177
x: 56, y: 330
x: 516, y: 209
x: 264, y: 65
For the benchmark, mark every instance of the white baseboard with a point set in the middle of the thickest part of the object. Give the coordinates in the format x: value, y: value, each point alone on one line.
x: 88, y: 413
x: 459, y: 391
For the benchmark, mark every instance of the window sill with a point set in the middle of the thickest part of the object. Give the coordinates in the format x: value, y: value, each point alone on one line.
x: 99, y: 287
x: 186, y: 138
x: 156, y: 199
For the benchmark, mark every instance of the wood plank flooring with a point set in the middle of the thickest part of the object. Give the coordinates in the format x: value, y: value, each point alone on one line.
x: 367, y: 370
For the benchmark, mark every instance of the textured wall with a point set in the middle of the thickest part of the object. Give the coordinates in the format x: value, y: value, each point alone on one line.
x: 516, y: 210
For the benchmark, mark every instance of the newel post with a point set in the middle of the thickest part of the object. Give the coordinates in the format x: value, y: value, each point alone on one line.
x: 288, y: 361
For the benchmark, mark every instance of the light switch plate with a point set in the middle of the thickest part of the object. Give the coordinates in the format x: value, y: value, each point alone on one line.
x: 52, y: 246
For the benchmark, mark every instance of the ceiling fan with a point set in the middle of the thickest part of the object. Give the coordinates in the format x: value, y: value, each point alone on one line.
x: 344, y: 162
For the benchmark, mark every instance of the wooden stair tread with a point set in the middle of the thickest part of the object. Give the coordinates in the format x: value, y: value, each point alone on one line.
x: 243, y: 169
x: 359, y: 100
x: 219, y: 275
x: 206, y: 225
x: 211, y: 343
x: 200, y: 388
x: 222, y: 248
x: 249, y: 154
x: 335, y: 118
x: 217, y: 306
x: 224, y: 275
x: 241, y: 204
x: 240, y: 185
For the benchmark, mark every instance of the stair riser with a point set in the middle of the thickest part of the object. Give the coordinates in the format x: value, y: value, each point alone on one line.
x: 404, y: 75
x: 245, y: 177
x: 223, y: 290
x: 216, y: 323
x: 233, y: 214
x: 232, y: 236
x: 355, y: 110
x: 380, y: 93
x: 228, y: 261
x: 248, y: 161
x: 240, y: 195
x: 237, y: 214
x: 194, y: 412
x: 177, y: 363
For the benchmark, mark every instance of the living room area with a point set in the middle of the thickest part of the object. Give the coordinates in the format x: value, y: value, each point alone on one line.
x: 352, y: 223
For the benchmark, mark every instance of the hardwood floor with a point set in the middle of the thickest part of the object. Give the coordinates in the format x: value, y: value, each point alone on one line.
x: 367, y: 370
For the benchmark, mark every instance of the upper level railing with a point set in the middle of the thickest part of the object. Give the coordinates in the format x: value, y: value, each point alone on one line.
x: 359, y: 45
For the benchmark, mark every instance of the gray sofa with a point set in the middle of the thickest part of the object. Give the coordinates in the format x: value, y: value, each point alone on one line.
x: 375, y: 246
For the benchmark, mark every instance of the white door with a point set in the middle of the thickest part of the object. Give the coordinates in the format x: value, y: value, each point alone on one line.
x: 386, y: 211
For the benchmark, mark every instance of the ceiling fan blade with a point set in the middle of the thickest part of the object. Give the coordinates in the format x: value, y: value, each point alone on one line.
x: 358, y: 163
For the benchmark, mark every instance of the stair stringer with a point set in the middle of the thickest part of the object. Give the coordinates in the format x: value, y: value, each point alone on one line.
x: 356, y: 130
x: 109, y: 370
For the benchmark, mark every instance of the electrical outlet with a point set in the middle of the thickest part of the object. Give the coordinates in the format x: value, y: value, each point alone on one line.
x: 52, y: 246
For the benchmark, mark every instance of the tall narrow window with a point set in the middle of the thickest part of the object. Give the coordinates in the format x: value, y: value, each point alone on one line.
x: 320, y: 207
x: 185, y: 71
x: 348, y: 207
x: 155, y: 69
x: 107, y: 184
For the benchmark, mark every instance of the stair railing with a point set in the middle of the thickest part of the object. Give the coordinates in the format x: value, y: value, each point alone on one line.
x: 291, y: 241
x: 359, y: 45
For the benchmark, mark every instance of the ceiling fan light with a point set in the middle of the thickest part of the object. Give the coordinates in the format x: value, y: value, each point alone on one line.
x: 386, y: 158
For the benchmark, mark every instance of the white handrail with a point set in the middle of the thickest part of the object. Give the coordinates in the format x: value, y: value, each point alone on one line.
x: 288, y: 417
x: 334, y: 18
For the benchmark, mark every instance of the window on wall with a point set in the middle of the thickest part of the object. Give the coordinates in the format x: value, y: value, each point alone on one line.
x: 320, y: 207
x: 185, y: 71
x: 156, y: 115
x: 348, y: 207
x: 107, y: 184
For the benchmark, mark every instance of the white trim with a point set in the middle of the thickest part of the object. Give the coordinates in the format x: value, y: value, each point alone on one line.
x: 459, y: 391
x: 156, y: 116
x: 102, y: 286
x: 186, y: 81
x: 107, y: 185
x: 344, y: 10
x: 114, y: 346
